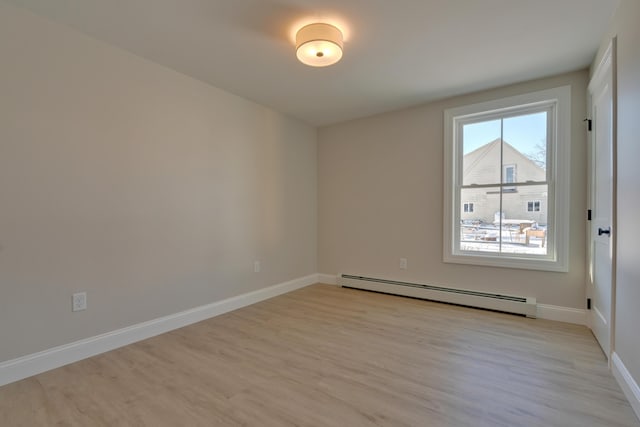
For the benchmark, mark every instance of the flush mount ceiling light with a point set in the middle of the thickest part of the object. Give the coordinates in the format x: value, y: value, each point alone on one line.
x: 319, y: 45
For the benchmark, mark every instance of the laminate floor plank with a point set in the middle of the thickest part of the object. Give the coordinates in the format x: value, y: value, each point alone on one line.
x: 327, y: 356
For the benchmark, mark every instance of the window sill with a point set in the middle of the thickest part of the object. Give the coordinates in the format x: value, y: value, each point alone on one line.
x: 506, y: 261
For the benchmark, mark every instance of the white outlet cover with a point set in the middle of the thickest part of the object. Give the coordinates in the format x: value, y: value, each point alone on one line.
x: 256, y: 267
x: 403, y: 263
x: 79, y: 301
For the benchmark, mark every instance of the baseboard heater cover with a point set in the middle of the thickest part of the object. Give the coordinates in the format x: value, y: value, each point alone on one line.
x: 507, y: 303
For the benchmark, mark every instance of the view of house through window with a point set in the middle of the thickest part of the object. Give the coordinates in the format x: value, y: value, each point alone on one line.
x: 504, y: 184
x: 506, y: 190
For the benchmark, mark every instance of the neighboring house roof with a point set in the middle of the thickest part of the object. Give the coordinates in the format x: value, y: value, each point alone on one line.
x: 490, y: 152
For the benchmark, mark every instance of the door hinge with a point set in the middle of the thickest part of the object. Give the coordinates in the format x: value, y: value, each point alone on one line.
x: 588, y: 214
x: 588, y: 303
x: 589, y: 124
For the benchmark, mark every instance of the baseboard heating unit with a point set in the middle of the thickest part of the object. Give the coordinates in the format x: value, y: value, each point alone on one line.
x: 506, y: 303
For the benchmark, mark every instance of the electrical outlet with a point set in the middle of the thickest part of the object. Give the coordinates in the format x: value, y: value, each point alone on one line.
x: 79, y: 301
x: 403, y: 263
x: 256, y: 266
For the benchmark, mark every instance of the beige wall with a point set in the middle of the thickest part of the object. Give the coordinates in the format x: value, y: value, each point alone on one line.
x: 380, y: 198
x: 151, y: 191
x: 625, y: 27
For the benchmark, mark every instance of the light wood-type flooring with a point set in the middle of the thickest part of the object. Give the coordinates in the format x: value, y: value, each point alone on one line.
x: 327, y: 356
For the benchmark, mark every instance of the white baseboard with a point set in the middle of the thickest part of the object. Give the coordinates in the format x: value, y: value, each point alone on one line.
x: 543, y: 311
x: 627, y: 383
x: 562, y: 314
x: 32, y: 364
x: 328, y: 279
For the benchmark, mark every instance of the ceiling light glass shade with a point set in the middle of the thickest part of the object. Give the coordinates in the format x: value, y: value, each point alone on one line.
x: 319, y: 45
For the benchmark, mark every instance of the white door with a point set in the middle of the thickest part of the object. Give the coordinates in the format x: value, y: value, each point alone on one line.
x: 601, y: 92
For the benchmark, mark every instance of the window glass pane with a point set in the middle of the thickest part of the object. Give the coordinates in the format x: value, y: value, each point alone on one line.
x: 479, y: 230
x: 525, y: 147
x: 481, y: 153
x: 525, y: 220
x: 520, y: 229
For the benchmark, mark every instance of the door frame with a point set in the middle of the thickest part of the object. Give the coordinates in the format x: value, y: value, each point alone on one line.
x: 609, y: 60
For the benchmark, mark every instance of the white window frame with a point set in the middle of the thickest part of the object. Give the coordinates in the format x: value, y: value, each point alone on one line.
x: 468, y: 207
x: 558, y: 100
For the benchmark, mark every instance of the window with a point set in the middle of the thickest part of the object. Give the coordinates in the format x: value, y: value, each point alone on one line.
x: 511, y: 156
x: 509, y: 177
x: 533, y: 206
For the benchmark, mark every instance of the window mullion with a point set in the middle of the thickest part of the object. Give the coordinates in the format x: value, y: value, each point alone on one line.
x: 501, y: 182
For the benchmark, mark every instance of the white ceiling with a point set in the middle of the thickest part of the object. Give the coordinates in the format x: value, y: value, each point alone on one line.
x: 397, y: 53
